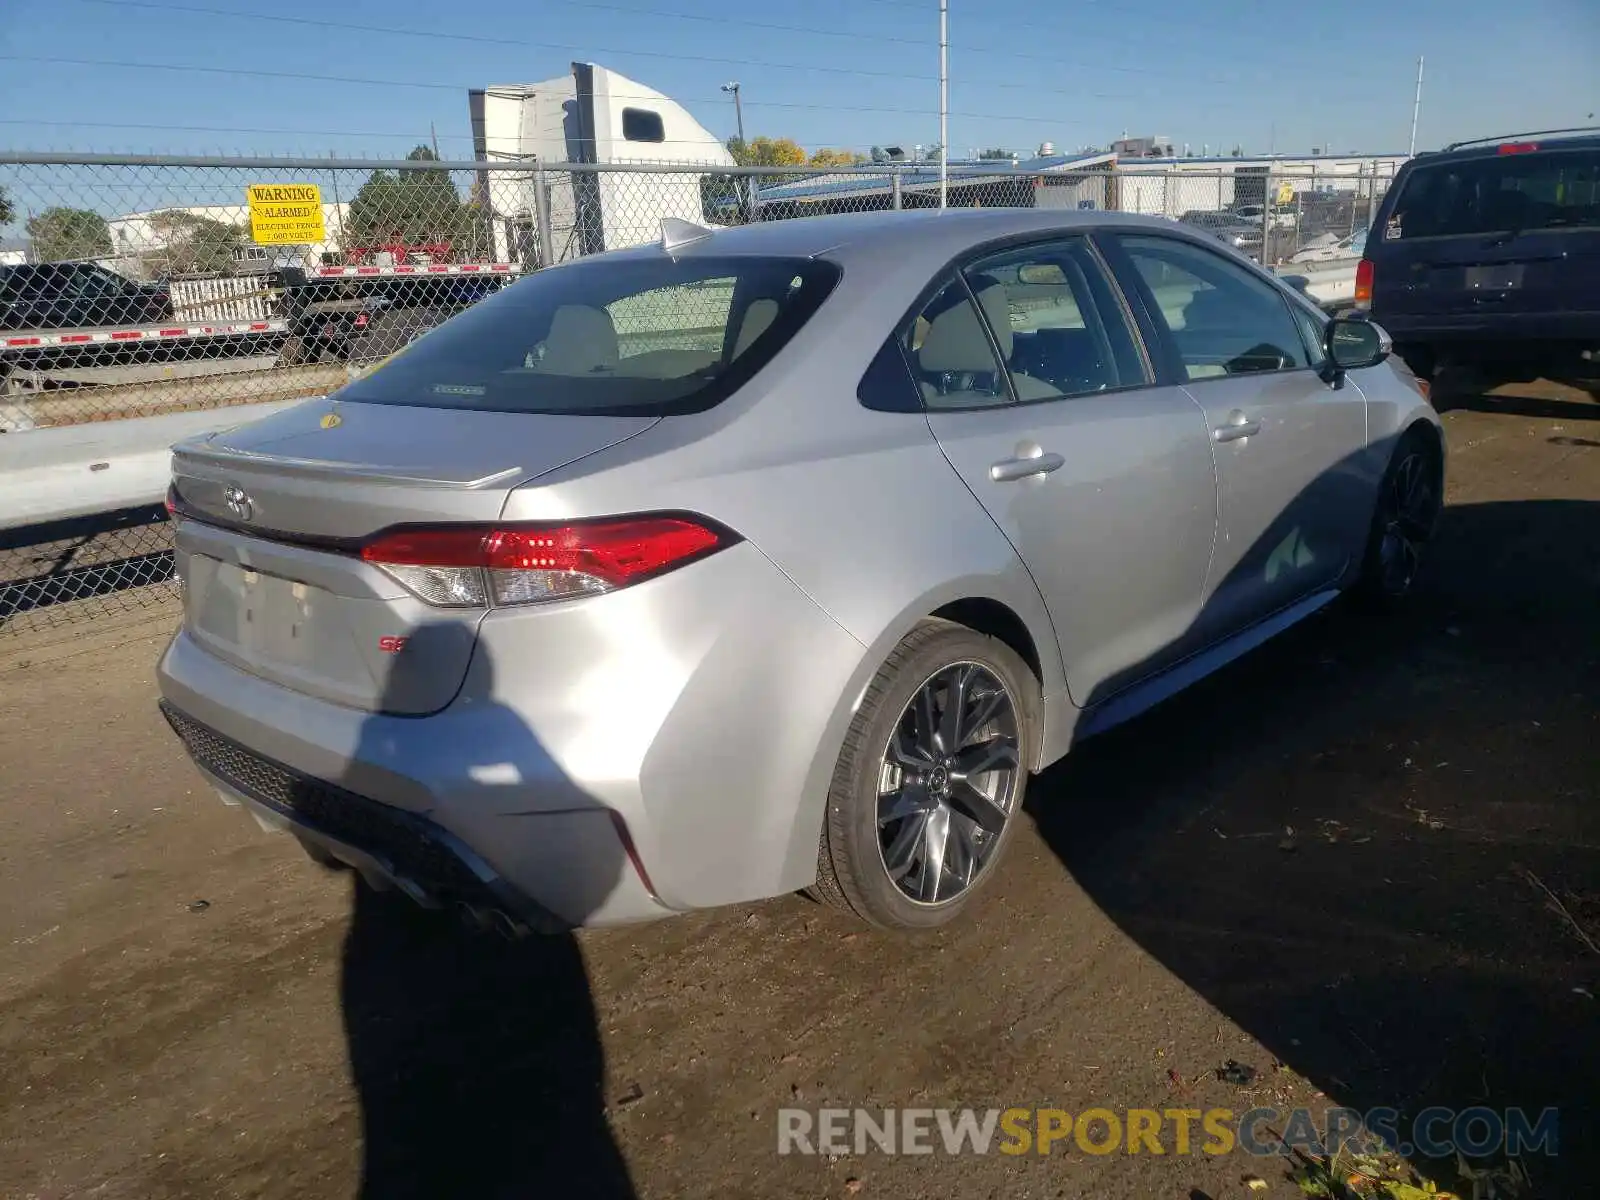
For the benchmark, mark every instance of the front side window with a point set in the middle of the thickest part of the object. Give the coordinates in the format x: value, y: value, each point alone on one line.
x: 1313, y: 332
x: 1221, y: 319
x: 636, y: 336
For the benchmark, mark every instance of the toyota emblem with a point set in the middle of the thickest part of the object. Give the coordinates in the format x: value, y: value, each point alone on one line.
x: 238, y: 502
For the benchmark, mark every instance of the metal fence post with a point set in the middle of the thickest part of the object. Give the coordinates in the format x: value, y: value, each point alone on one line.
x: 894, y: 187
x: 541, y: 209
x: 1269, y: 197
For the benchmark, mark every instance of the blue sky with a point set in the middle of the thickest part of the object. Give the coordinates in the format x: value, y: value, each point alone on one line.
x: 842, y: 73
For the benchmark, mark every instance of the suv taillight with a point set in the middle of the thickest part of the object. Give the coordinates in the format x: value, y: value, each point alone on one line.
x: 1363, y: 295
x: 472, y: 566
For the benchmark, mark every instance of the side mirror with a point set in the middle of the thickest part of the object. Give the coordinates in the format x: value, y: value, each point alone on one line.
x: 1353, y: 343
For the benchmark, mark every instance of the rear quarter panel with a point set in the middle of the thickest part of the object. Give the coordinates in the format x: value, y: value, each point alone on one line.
x: 858, y: 508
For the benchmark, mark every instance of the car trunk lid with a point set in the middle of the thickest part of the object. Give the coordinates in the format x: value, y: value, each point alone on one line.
x: 276, y: 513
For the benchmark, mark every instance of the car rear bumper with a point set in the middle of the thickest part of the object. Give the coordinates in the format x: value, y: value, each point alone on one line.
x: 1532, y: 330
x: 606, y: 761
x: 389, y: 847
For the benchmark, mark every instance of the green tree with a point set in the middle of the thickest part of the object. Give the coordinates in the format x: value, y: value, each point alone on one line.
x: 835, y: 158
x: 412, y: 207
x: 726, y: 198
x: 996, y: 153
x: 767, y: 152
x: 6, y: 210
x: 192, y: 244
x: 68, y: 233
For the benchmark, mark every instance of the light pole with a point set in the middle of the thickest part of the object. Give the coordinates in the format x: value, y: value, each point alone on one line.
x: 1416, y: 109
x: 944, y: 103
x: 738, y: 108
x: 747, y: 188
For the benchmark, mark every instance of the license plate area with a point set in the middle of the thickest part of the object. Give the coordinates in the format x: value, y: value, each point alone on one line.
x: 1493, y: 277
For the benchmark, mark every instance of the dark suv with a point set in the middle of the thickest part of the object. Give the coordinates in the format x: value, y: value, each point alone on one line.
x: 1486, y: 256
x: 77, y: 296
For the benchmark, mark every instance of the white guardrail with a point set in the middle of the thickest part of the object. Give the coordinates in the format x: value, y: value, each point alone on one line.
x: 1330, y: 284
x: 103, y: 466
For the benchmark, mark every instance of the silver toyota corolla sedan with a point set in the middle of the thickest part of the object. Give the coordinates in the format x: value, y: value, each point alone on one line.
x: 774, y: 558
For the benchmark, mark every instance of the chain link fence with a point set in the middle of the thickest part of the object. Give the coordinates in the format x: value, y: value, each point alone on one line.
x: 154, y: 287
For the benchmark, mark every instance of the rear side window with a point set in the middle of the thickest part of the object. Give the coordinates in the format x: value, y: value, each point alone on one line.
x: 636, y: 336
x: 1552, y: 189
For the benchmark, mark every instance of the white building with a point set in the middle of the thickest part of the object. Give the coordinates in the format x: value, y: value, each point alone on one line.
x: 1173, y: 186
x: 593, y: 115
x: 145, y: 233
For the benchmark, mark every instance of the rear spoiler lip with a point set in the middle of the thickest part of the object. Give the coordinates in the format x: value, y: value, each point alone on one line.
x: 202, y: 451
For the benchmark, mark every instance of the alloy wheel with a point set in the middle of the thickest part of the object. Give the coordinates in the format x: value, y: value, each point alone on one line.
x: 948, y: 783
x: 1411, y: 505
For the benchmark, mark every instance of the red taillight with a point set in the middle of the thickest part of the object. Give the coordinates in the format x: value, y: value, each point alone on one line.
x: 172, y: 502
x: 471, y: 565
x: 1363, y: 295
x: 1517, y: 147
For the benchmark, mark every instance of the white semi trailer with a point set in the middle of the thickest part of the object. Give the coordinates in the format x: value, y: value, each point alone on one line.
x: 594, y: 115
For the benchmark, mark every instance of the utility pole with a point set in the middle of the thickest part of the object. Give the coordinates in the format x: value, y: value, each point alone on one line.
x: 1416, y: 109
x: 748, y: 185
x: 738, y: 108
x: 434, y: 133
x: 944, y: 103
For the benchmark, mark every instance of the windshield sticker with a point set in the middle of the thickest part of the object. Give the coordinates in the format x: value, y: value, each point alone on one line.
x: 1391, y: 232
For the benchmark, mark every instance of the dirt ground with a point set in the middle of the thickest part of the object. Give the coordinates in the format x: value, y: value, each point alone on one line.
x: 190, y: 1008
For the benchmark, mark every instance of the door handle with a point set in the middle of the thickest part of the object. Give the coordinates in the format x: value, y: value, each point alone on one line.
x: 1239, y: 426
x: 1009, y: 470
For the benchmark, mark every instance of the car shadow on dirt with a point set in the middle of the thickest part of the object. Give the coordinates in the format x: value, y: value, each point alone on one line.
x: 1375, y: 843
x: 1513, y: 403
x: 476, y: 1059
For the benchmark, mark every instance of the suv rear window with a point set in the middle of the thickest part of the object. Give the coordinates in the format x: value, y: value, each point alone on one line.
x: 645, y: 336
x: 1549, y: 189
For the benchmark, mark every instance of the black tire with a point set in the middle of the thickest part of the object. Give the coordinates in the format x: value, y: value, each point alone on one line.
x: 1389, y: 570
x: 851, y: 863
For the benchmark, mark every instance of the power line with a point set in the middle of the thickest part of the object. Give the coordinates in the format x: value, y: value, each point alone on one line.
x: 480, y: 39
x: 588, y: 4
x: 343, y: 133
x: 306, y: 76
x: 415, y: 138
x: 350, y: 27
x: 603, y: 6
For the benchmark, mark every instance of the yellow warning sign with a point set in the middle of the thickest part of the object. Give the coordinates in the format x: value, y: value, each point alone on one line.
x: 285, y: 214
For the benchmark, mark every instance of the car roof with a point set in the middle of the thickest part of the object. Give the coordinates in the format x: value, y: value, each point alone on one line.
x: 1490, y: 147
x: 932, y: 234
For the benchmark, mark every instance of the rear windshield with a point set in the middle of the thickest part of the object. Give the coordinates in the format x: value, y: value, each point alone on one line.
x: 632, y: 336
x: 1552, y: 189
